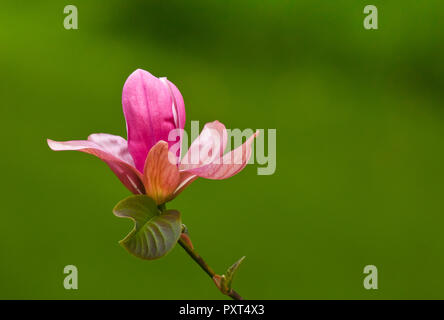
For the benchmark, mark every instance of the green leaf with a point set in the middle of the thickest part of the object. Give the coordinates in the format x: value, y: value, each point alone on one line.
x: 224, y: 282
x: 155, y: 233
x: 231, y: 271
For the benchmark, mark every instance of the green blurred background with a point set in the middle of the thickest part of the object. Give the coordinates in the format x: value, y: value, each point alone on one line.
x: 360, y: 127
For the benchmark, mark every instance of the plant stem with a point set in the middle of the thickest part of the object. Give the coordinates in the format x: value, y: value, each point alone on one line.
x: 201, y: 262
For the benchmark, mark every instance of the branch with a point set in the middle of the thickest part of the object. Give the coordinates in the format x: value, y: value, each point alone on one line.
x: 201, y: 262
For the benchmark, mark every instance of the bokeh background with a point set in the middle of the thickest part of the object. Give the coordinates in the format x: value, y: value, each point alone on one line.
x: 360, y: 130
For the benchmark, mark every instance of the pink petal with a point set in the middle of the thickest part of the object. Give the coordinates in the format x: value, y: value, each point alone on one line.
x: 152, y: 108
x: 114, y: 145
x: 185, y: 179
x: 179, y: 107
x: 161, y: 175
x: 227, y: 166
x: 113, y: 151
x: 208, y: 147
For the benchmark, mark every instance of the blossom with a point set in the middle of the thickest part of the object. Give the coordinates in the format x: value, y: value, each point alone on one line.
x: 146, y: 163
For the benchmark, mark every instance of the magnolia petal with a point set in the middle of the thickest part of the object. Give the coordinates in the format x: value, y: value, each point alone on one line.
x: 185, y: 179
x: 149, y: 105
x: 227, y: 166
x: 178, y: 105
x: 208, y: 147
x: 178, y: 108
x: 113, y: 151
x: 114, y: 145
x: 161, y: 175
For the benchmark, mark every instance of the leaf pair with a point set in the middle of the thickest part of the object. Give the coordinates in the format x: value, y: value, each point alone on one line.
x: 155, y: 232
x: 224, y: 282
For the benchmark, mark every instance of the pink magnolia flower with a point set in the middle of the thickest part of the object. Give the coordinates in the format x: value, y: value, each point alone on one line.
x: 153, y: 107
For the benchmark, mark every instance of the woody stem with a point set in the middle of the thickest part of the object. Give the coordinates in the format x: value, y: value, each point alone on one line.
x: 201, y: 262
